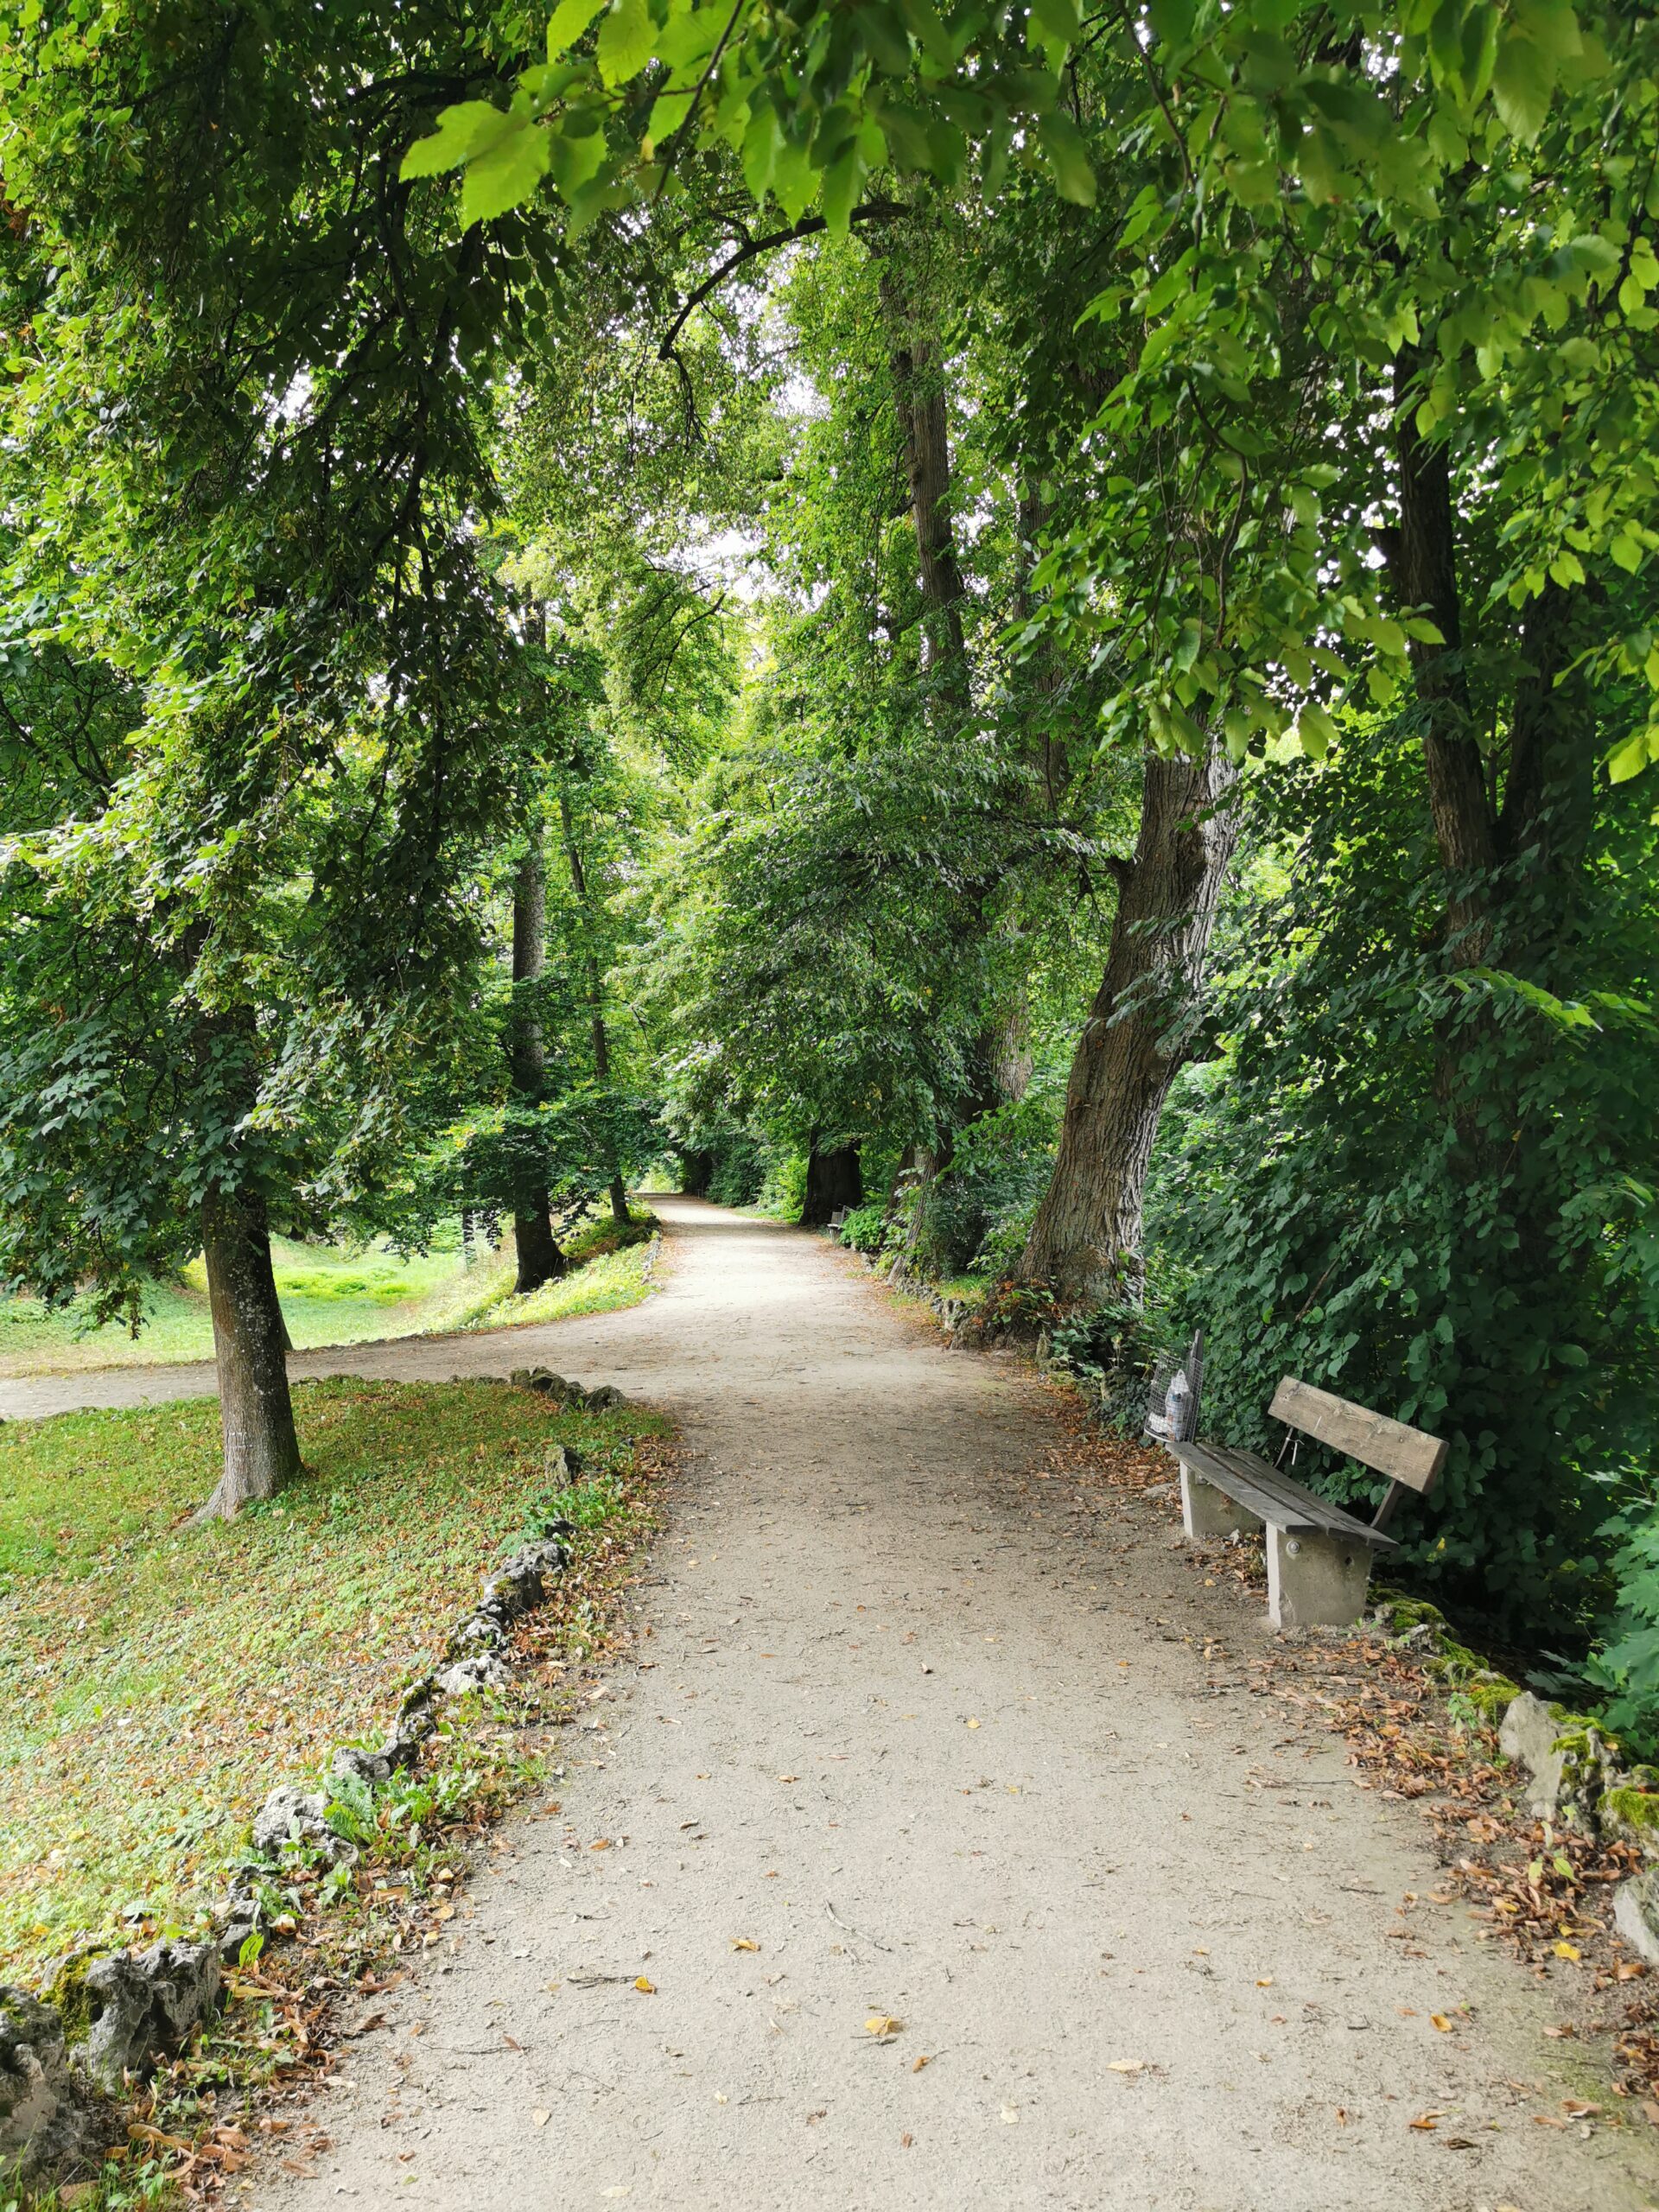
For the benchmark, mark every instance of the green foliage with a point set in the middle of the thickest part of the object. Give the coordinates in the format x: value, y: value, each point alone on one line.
x: 154, y: 1671
x: 1115, y: 1349
x: 867, y: 1229
x: 1492, y: 1275
x: 1624, y: 1670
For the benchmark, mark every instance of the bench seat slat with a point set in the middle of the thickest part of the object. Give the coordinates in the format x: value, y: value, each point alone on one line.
x: 1250, y: 1481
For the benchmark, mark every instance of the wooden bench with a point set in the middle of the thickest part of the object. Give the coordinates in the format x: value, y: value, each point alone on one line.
x: 1318, y: 1557
x: 837, y: 1220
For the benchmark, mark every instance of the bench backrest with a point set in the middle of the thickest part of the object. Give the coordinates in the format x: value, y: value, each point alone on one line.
x: 1406, y: 1455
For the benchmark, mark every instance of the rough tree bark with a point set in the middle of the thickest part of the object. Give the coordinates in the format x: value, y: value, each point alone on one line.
x: 261, y: 1447
x: 1421, y: 556
x: 539, y: 1257
x: 597, y: 1030
x: 697, y: 1173
x: 834, y: 1179
x: 1084, y: 1244
x: 1002, y: 1065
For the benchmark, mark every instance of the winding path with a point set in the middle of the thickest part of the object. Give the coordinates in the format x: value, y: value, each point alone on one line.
x: 892, y: 1745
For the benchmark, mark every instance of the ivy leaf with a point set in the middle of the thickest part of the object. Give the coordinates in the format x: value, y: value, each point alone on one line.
x: 625, y: 42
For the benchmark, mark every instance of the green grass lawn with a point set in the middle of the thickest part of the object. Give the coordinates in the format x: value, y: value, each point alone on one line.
x: 333, y: 1296
x: 605, y: 1274
x: 157, y: 1678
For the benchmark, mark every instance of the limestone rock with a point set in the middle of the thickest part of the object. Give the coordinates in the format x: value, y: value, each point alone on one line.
x: 414, y: 1724
x: 351, y: 1763
x: 604, y: 1399
x: 488, y: 1672
x: 1636, y: 1914
x: 291, y: 1815
x: 141, y: 2006
x: 1527, y: 1736
x: 480, y: 1631
x: 543, y: 1381
x: 44, y: 2125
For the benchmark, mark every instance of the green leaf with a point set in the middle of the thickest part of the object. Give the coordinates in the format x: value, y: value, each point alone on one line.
x: 1062, y: 142
x: 625, y: 37
x: 1058, y: 19
x: 1522, y: 81
x: 1315, y: 731
x: 842, y: 182
x: 1628, y: 759
x: 463, y: 130
x: 1173, y: 20
x: 507, y: 175
x: 568, y: 20
x: 1626, y: 553
x: 885, y: 39
x: 761, y: 142
x: 576, y: 159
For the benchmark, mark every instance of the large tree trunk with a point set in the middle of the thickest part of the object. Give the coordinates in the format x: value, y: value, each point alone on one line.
x: 697, y: 1173
x: 1422, y: 567
x: 1085, y: 1242
x: 599, y: 1033
x: 536, y: 1248
x: 262, y: 1450
x: 834, y: 1179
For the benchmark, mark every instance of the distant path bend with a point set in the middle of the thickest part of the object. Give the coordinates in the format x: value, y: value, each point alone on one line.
x: 895, y: 1744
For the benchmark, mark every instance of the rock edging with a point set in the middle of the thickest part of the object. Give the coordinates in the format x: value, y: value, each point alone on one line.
x: 109, y: 2017
x: 1575, y: 1770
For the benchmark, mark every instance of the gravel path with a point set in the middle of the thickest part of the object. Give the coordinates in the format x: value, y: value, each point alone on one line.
x: 892, y: 1746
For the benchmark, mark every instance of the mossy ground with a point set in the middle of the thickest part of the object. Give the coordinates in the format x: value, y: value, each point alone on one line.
x: 156, y: 1677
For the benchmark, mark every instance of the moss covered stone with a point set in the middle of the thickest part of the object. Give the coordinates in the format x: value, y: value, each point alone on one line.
x: 1628, y: 1812
x: 67, y: 1990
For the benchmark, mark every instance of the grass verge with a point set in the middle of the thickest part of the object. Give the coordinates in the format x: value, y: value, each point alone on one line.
x: 156, y: 1677
x: 333, y: 1296
x: 330, y: 1295
x: 608, y: 1272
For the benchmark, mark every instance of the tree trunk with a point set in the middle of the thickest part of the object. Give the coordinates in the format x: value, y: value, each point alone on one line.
x: 600, y: 1035
x: 1422, y: 567
x: 262, y: 1450
x: 918, y: 403
x: 539, y: 1255
x: 697, y: 1173
x: 1085, y: 1242
x: 270, y: 1292
x: 833, y: 1180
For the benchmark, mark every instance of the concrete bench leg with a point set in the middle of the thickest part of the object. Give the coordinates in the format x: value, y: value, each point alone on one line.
x: 1207, y: 1511
x: 1316, y: 1581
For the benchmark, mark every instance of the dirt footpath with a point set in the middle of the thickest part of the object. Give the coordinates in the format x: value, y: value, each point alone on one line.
x: 893, y: 1749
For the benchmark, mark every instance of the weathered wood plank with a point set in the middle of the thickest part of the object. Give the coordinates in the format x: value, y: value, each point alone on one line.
x: 1273, y: 1498
x: 1406, y: 1455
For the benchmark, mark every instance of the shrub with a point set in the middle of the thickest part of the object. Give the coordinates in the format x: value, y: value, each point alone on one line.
x: 866, y: 1230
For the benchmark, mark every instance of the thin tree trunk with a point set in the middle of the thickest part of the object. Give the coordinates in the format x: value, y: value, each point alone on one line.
x: 539, y: 1255
x: 1085, y: 1242
x: 262, y: 1449
x: 834, y: 1179
x: 600, y: 1035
